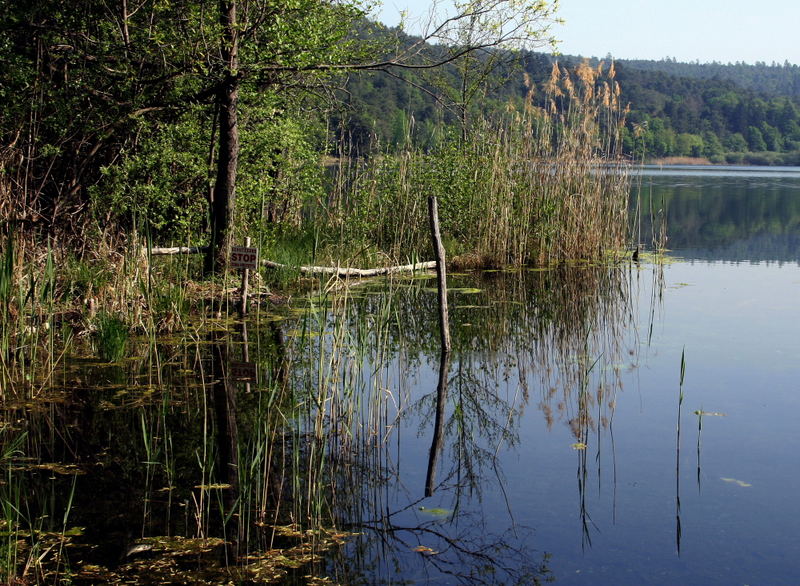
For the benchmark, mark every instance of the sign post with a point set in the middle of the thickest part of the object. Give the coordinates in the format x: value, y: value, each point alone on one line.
x: 245, y: 258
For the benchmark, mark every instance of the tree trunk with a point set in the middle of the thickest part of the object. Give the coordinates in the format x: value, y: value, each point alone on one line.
x: 223, y: 205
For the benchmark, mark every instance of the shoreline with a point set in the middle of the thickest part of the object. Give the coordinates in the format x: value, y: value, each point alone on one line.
x: 683, y: 161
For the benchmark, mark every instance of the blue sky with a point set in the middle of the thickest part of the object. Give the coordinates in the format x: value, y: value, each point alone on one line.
x: 689, y: 30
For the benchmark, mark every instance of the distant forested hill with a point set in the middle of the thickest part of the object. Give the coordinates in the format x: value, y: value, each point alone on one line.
x: 774, y: 79
x: 714, y: 117
x: 732, y: 113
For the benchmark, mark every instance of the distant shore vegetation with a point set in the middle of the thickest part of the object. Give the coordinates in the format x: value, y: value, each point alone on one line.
x: 728, y: 114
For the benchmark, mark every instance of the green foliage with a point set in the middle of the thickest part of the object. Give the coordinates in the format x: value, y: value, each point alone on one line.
x: 83, y: 277
x: 111, y: 337
x: 280, y: 171
x: 113, y: 111
x: 668, y: 103
x: 755, y: 140
x: 736, y: 143
x: 163, y: 182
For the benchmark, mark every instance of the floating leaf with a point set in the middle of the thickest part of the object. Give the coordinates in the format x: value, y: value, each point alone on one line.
x: 65, y: 469
x: 424, y: 550
x: 436, y: 512
x: 734, y: 481
x: 139, y: 548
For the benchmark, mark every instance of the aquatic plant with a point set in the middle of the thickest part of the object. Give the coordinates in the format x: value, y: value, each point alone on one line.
x: 111, y: 336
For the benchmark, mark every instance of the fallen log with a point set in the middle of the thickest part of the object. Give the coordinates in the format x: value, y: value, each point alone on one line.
x: 177, y: 250
x: 350, y: 272
x: 306, y: 270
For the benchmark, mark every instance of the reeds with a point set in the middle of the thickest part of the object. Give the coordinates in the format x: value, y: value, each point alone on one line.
x: 543, y: 182
x: 111, y: 337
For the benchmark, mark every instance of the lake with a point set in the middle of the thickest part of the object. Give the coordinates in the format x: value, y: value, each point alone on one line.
x: 574, y: 470
x: 624, y: 423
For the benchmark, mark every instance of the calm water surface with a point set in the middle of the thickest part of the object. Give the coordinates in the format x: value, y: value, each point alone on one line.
x: 636, y: 505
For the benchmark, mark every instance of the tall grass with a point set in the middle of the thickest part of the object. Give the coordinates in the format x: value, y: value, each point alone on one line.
x: 28, y: 281
x: 111, y: 337
x: 545, y: 181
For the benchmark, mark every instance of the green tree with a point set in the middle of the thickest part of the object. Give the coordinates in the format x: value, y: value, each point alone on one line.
x: 712, y: 146
x: 483, y: 44
x: 689, y: 145
x: 736, y: 143
x: 755, y: 139
x: 772, y: 137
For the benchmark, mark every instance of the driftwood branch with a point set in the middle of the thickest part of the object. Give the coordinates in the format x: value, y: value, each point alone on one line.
x: 337, y: 271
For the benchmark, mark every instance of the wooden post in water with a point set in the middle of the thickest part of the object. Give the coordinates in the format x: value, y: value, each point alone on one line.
x: 245, y: 282
x: 441, y: 272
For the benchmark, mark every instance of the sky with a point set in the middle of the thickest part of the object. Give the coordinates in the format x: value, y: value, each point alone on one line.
x: 688, y: 30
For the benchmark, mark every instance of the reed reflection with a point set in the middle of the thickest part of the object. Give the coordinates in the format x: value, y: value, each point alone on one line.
x: 555, y: 337
x: 317, y: 451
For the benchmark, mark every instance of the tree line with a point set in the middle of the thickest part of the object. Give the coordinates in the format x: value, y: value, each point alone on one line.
x: 727, y: 114
x: 178, y: 117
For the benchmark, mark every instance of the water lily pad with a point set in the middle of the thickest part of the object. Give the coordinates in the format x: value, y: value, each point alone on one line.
x: 56, y: 468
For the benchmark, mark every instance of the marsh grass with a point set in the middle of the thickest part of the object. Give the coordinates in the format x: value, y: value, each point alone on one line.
x: 544, y: 182
x: 313, y: 439
x: 28, y: 281
x: 111, y: 337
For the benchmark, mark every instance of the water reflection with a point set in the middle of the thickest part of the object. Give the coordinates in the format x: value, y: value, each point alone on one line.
x: 333, y: 423
x: 438, y: 427
x: 745, y: 216
x: 552, y: 337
